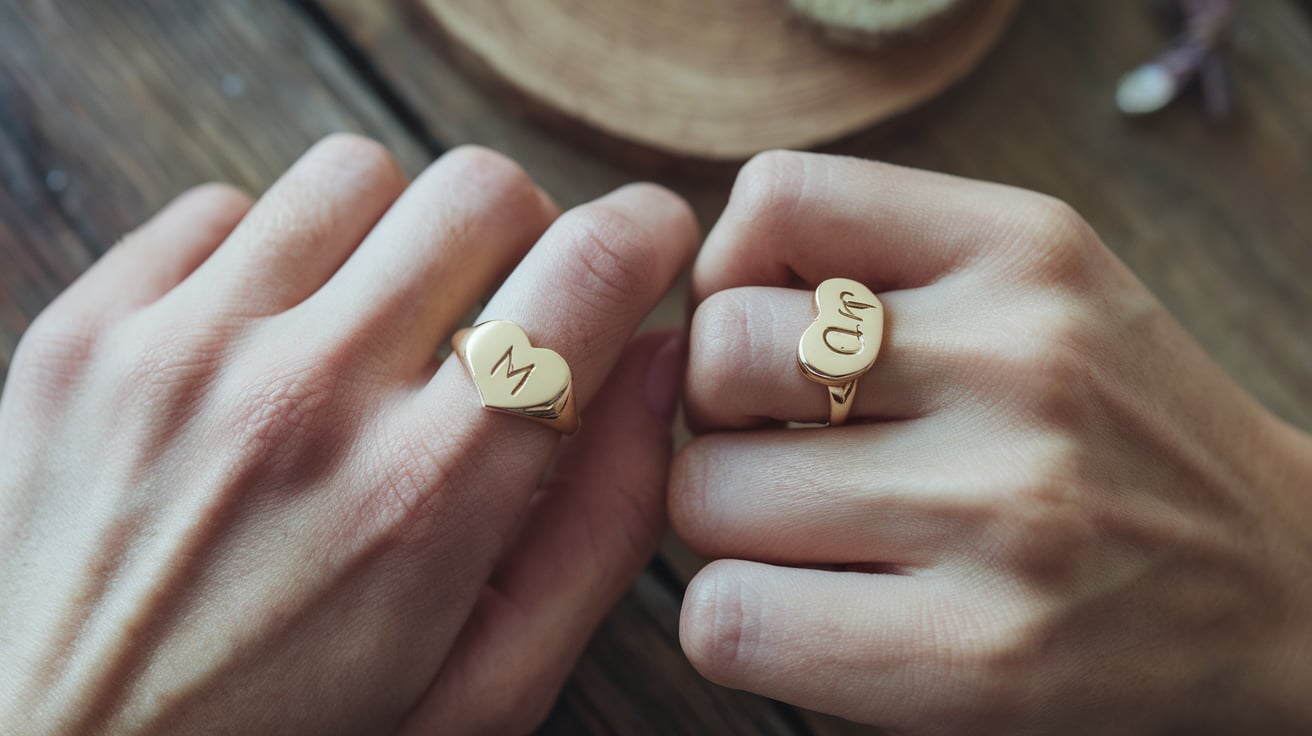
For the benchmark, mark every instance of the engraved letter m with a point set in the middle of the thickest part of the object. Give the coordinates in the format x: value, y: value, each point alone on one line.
x: 512, y: 371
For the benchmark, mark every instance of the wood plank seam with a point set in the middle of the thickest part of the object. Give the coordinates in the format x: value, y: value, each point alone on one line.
x: 370, y: 77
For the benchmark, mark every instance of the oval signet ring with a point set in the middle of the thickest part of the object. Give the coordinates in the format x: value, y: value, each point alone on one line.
x: 842, y: 342
x: 514, y: 377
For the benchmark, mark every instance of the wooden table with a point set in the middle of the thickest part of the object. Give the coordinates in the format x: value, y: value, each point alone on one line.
x: 107, y: 108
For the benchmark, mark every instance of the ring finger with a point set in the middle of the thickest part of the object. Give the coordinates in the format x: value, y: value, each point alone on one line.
x: 742, y: 369
x: 582, y: 291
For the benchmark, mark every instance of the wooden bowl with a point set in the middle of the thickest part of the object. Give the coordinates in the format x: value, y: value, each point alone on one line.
x: 706, y: 79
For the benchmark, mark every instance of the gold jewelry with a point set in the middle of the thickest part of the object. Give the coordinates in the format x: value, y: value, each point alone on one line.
x: 842, y: 342
x: 514, y: 377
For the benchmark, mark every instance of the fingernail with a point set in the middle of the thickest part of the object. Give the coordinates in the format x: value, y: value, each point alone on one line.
x: 665, y: 379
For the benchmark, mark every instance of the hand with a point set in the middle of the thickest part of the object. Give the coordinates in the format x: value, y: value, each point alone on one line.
x: 1057, y: 516
x: 238, y: 494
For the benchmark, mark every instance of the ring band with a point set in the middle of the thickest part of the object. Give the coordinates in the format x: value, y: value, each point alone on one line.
x: 841, y: 344
x: 513, y: 377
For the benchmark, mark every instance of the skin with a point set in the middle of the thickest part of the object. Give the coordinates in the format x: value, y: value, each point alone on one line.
x: 1051, y: 513
x: 239, y: 495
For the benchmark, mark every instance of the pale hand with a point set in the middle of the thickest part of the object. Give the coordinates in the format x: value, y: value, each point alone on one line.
x: 238, y: 494
x: 1052, y: 513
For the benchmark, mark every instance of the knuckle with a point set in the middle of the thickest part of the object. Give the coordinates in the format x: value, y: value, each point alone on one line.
x: 171, y: 366
x: 214, y: 208
x: 723, y: 341
x: 670, y: 227
x: 1059, y: 247
x: 687, y: 503
x: 769, y: 187
x: 56, y: 348
x: 1045, y: 386
x: 298, y: 214
x: 489, y: 171
x: 490, y: 185
x: 277, y: 413
x: 610, y: 258
x: 1042, y: 526
x: 1053, y: 216
x: 1043, y: 373
x: 658, y: 198
x: 357, y: 157
x: 222, y: 199
x: 720, y: 624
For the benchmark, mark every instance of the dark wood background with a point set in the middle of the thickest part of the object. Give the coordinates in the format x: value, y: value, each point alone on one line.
x: 108, y: 108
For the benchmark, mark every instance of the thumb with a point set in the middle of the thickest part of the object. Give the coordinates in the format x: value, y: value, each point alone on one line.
x: 596, y: 522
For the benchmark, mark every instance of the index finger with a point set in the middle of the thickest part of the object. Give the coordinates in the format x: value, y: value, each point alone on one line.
x: 796, y: 219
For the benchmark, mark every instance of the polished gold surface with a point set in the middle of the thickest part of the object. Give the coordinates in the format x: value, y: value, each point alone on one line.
x: 514, y: 377
x: 842, y: 342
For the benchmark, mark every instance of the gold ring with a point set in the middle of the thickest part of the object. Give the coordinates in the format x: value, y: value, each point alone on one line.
x: 842, y: 342
x: 516, y: 378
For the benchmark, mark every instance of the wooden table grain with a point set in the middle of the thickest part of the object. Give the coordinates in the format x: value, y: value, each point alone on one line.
x: 107, y: 108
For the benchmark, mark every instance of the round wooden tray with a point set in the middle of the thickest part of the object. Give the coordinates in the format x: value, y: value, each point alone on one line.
x: 707, y: 79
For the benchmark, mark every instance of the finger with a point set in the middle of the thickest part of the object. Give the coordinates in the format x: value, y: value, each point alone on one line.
x: 596, y: 275
x: 877, y: 496
x: 598, y: 521
x: 743, y: 370
x: 463, y: 223
x: 302, y: 229
x: 157, y: 256
x: 808, y: 217
x: 871, y: 648
x: 444, y: 465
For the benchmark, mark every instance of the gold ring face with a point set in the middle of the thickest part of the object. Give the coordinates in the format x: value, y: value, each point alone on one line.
x: 514, y: 377
x: 841, y: 344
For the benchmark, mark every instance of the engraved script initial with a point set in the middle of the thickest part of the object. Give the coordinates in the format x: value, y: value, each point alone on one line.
x: 843, y: 340
x: 845, y: 298
x: 843, y: 349
x: 512, y: 371
x: 848, y: 308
